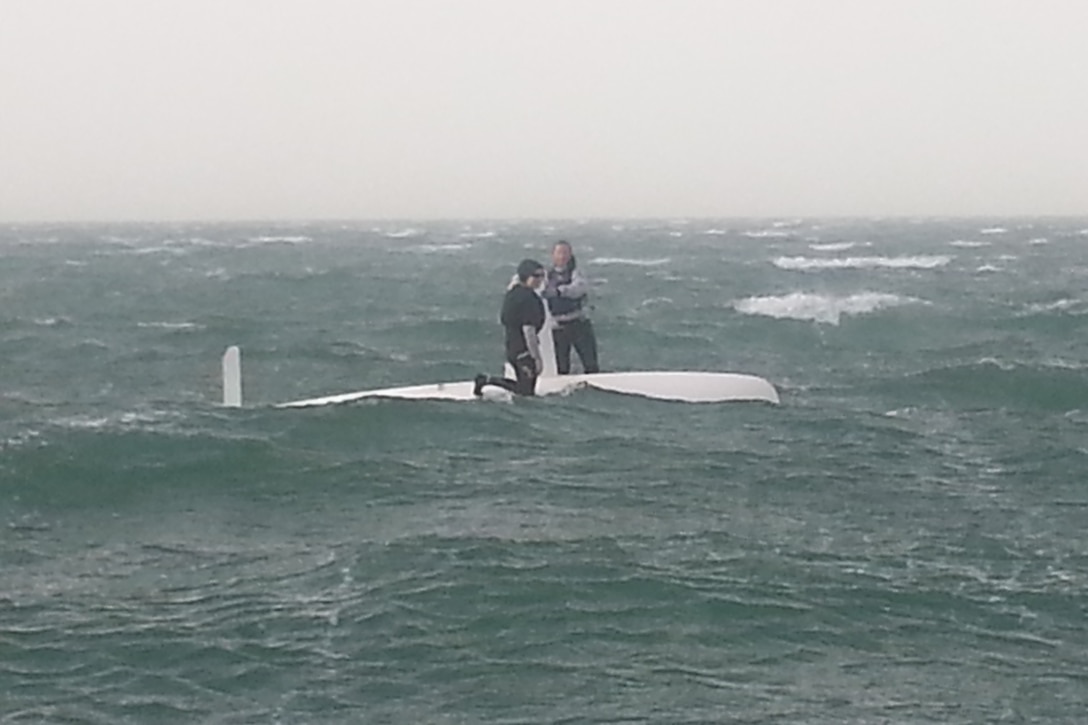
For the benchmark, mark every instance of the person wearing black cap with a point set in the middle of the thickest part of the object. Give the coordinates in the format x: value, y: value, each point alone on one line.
x: 522, y: 316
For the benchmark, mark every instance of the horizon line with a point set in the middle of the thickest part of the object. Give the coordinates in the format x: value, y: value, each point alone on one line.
x: 671, y: 218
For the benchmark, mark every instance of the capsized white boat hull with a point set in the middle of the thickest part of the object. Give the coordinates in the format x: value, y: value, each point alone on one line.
x: 688, y: 387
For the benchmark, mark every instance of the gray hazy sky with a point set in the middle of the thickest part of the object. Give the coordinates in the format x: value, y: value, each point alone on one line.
x: 304, y: 109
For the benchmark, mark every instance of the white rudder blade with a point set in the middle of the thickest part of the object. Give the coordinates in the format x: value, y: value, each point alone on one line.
x: 232, y: 377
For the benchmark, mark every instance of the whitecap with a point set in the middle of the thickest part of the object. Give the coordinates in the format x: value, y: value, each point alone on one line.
x: 171, y: 325
x: 156, y: 250
x: 832, y: 246
x: 636, y: 262
x: 21, y: 438
x: 281, y: 240
x: 52, y: 321
x: 404, y: 233
x: 823, y: 308
x: 455, y: 247
x: 914, y: 262
x: 1062, y: 305
x: 82, y: 422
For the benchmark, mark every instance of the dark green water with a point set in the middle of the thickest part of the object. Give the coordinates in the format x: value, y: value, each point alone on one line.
x: 901, y: 541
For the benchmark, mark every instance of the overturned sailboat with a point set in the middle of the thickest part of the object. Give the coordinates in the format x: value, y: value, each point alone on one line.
x: 683, y: 386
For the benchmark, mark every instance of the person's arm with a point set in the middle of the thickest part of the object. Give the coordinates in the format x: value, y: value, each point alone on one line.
x: 533, y: 343
x: 578, y: 287
x: 532, y: 319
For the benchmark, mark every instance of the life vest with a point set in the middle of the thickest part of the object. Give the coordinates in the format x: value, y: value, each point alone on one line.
x: 564, y: 306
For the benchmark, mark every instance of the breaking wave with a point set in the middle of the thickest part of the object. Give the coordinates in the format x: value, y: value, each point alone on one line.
x: 828, y: 309
x: 907, y: 262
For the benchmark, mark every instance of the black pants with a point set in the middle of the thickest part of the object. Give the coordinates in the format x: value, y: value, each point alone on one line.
x: 525, y: 370
x: 579, y: 334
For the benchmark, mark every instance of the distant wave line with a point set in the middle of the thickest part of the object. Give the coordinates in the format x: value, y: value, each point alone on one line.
x: 636, y: 262
x: 916, y: 262
x: 831, y: 246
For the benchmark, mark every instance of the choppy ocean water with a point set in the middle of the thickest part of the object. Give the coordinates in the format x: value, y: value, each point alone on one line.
x: 902, y: 540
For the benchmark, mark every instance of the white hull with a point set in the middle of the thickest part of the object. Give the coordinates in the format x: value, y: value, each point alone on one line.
x: 688, y: 387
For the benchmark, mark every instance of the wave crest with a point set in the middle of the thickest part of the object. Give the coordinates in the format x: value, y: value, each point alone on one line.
x: 827, y: 309
x: 909, y: 262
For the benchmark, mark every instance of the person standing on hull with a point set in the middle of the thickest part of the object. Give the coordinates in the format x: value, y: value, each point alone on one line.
x: 566, y: 293
x: 522, y: 316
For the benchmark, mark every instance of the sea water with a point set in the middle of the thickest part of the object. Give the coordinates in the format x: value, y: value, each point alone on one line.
x: 903, y: 540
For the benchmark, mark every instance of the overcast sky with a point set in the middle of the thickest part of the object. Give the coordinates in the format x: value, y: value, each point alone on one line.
x: 364, y: 109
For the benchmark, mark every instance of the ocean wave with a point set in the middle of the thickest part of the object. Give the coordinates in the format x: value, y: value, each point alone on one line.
x: 165, y: 249
x: 1066, y: 304
x: 287, y: 239
x: 130, y: 420
x: 907, y: 262
x: 404, y: 233
x: 22, y: 438
x: 832, y: 246
x: 767, y: 234
x: 993, y: 383
x: 634, y: 262
x: 827, y: 309
x: 171, y: 325
x: 53, y: 321
x: 431, y: 248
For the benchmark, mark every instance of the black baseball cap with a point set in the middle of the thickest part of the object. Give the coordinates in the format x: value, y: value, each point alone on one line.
x: 528, y: 267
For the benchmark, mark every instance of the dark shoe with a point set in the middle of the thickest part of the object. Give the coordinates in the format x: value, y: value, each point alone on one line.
x: 480, y: 382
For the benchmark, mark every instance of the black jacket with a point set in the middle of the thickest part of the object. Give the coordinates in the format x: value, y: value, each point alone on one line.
x: 520, y: 307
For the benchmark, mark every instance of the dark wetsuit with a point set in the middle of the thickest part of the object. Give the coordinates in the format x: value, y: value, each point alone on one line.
x: 521, y: 307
